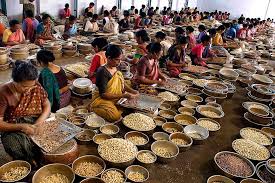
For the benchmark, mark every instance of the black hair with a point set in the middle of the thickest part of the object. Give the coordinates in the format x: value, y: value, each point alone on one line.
x: 132, y: 7
x: 205, y: 38
x: 67, y: 5
x: 45, y: 56
x: 90, y: 14
x: 164, y: 12
x: 171, y: 15
x: 212, y: 31
x: 244, y: 25
x: 154, y: 48
x: 45, y: 16
x: 157, y: 8
x: 113, y: 51
x: 101, y: 43
x: 221, y: 28
x: 136, y: 11
x: 92, y: 4
x: 143, y: 6
x: 160, y: 35
x: 95, y: 16
x: 29, y: 13
x: 250, y: 26
x: 13, y: 23
x: 202, y: 27
x: 190, y: 28
x: 106, y: 13
x: 179, y: 30
x: 182, y: 40
x: 126, y: 13
x: 143, y: 14
x: 24, y: 71
x: 72, y: 18
x: 114, y: 8
x: 143, y: 35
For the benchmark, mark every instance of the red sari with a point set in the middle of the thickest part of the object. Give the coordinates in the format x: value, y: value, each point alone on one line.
x: 30, y: 34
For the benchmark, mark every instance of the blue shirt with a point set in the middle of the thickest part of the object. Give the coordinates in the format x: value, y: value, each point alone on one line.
x: 201, y: 34
x: 231, y: 33
x: 40, y: 28
x: 236, y: 27
x: 72, y: 31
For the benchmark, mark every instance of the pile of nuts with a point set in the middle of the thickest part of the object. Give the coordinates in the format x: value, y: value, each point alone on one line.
x: 179, y: 142
x: 184, y: 122
x: 171, y: 130
x: 146, y: 157
x: 250, y: 149
x: 210, y: 114
x: 139, y: 122
x: 117, y: 150
x: 108, y: 131
x: 88, y: 169
x: 55, y: 178
x: 208, y: 124
x: 168, y: 96
x: 163, y: 152
x: 137, y: 140
x: 136, y: 176
x: 255, y: 136
x: 200, y: 82
x: 16, y: 173
x: 113, y: 176
x: 195, y: 135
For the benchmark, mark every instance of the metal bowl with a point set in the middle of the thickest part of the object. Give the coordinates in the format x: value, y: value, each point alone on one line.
x: 99, y: 138
x: 13, y: 164
x: 257, y: 130
x: 258, y: 111
x: 261, y: 79
x: 255, y: 123
x: 269, y: 131
x: 109, y: 129
x: 213, y: 93
x: 167, y: 145
x: 194, y: 91
x: 188, y: 77
x: 61, y: 116
x: 186, y: 111
x: 114, y: 169
x: 270, y: 164
x: 185, y: 120
x: 250, y: 180
x: 229, y: 74
x: 182, y: 136
x: 187, y: 83
x: 247, y: 105
x: 160, y: 136
x: 202, y: 108
x: 165, y: 106
x: 136, y: 134
x: 214, y: 104
x: 168, y: 114
x: 210, y: 99
x: 52, y: 169
x: 219, y: 178
x: 172, y: 127
x: 89, y: 159
x: 93, y: 180
x: 94, y: 122
x: 228, y: 174
x: 159, y: 120
x: 139, y: 169
x: 262, y: 167
x: 261, y: 119
x: 194, y: 98
x: 189, y: 104
x: 213, y: 121
x: 195, y: 129
x: 216, y: 86
x: 146, y: 164
x: 85, y: 137
x: 78, y: 121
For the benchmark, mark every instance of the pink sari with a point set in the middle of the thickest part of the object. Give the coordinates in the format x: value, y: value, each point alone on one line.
x: 17, y: 36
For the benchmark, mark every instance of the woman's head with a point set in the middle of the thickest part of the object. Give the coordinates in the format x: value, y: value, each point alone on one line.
x: 91, y: 5
x: 44, y: 57
x: 95, y: 17
x: 114, y: 55
x: 106, y: 13
x: 126, y: 14
x: 72, y: 19
x: 142, y: 36
x: 14, y: 25
x: 67, y: 5
x: 179, y: 31
x: 182, y: 41
x: 221, y: 28
x: 155, y: 50
x: 29, y: 14
x: 212, y: 32
x: 206, y: 40
x: 24, y: 75
x: 201, y: 28
x: 100, y: 44
x: 189, y: 29
x: 46, y: 18
x: 160, y: 36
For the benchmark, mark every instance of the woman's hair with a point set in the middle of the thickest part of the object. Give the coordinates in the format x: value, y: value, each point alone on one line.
x: 106, y: 13
x: 95, y: 16
x: 24, y: 71
x: 101, y: 43
x: 67, y: 5
x: 29, y: 13
x: 182, y: 40
x: 113, y: 51
x: 13, y: 23
x: 45, y: 16
x: 221, y: 28
x: 154, y: 47
x: 190, y: 28
x: 212, y: 31
x: 179, y: 30
x: 160, y: 35
x: 205, y: 38
x: 45, y: 56
x: 126, y: 13
x: 72, y: 18
x: 202, y: 27
x: 143, y: 35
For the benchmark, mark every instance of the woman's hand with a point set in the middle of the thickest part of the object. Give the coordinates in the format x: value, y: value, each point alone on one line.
x: 28, y: 129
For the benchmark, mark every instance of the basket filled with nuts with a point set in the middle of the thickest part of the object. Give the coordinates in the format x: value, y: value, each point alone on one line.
x: 210, y: 124
x: 93, y: 180
x: 210, y: 112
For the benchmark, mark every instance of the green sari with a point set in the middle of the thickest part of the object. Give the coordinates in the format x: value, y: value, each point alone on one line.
x: 49, y: 82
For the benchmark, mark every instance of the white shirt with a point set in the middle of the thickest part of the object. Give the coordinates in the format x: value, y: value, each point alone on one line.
x: 91, y: 26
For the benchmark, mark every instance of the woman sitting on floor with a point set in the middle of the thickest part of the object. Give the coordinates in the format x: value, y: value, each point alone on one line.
x: 70, y: 28
x: 44, y: 30
x: 91, y: 24
x: 197, y: 52
x: 24, y: 106
x: 13, y: 35
x: 99, y: 59
x: 111, y: 87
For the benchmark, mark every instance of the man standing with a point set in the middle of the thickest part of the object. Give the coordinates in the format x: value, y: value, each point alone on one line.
x: 28, y: 6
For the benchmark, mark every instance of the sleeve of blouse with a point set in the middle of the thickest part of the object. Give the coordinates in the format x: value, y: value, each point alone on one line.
x: 3, y: 105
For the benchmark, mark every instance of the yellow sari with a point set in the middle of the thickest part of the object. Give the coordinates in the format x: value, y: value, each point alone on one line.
x: 106, y: 108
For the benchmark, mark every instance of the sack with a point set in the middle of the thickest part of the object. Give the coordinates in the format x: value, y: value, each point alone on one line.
x: 111, y: 27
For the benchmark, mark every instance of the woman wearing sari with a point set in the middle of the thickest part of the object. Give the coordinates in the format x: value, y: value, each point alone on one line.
x: 54, y: 81
x: 29, y: 26
x: 23, y: 107
x: 13, y: 35
x: 44, y: 30
x: 111, y: 87
x: 99, y: 59
x: 148, y: 72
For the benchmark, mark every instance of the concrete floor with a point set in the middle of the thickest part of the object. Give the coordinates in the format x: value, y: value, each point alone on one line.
x: 196, y: 164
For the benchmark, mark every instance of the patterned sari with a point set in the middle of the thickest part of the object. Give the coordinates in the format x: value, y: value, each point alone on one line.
x: 47, y: 32
x: 17, y: 36
x: 106, y: 108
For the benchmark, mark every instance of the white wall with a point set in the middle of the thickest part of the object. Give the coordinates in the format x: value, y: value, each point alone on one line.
x: 53, y: 7
x: 139, y: 3
x: 155, y: 3
x: 82, y: 4
x: 163, y: 3
x: 250, y: 8
x: 271, y: 12
x: 108, y: 4
x: 126, y: 5
x: 194, y: 3
x: 14, y: 9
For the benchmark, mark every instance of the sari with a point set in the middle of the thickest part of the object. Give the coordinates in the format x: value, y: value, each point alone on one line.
x: 176, y: 55
x: 29, y: 32
x: 106, y: 108
x: 49, y: 82
x: 18, y: 144
x: 17, y: 36
x: 45, y: 31
x: 140, y: 52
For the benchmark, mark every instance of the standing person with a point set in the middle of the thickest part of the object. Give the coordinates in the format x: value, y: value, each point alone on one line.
x: 111, y: 87
x: 197, y: 52
x: 150, y: 11
x: 142, y: 10
x: 70, y: 27
x: 100, y: 59
x: 107, y: 17
x: 29, y: 26
x: 54, y: 80
x: 202, y: 31
x: 191, y: 37
x: 218, y: 40
x: 28, y: 6
x: 91, y: 25
x: 176, y: 60
x: 13, y: 35
x: 24, y: 107
x: 66, y: 12
x: 124, y: 24
x: 90, y: 9
x: 44, y: 30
